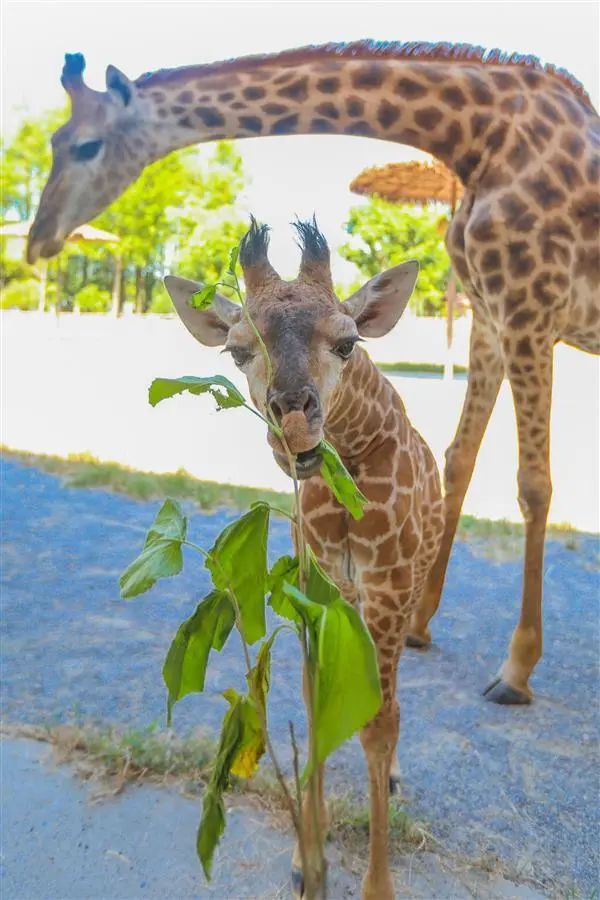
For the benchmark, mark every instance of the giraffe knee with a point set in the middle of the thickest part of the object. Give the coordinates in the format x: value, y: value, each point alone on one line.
x: 535, y: 493
x: 380, y: 736
x: 456, y: 470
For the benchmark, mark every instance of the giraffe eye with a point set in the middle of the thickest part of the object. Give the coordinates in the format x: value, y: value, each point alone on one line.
x: 88, y: 150
x: 345, y: 348
x: 241, y: 356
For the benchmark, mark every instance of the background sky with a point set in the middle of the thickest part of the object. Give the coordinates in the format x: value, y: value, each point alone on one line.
x: 289, y: 175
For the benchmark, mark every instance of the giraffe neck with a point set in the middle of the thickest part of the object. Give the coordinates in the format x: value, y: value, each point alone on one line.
x: 446, y: 107
x: 362, y: 411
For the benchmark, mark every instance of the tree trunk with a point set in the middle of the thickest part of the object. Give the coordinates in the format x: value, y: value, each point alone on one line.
x: 43, y: 283
x: 59, y: 286
x: 139, y: 296
x: 117, y: 286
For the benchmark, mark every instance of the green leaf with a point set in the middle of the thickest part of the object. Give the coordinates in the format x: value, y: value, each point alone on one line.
x: 208, y: 628
x: 319, y: 586
x: 238, y: 562
x: 348, y: 690
x: 285, y: 570
x: 347, y: 686
x: 241, y: 745
x: 251, y: 745
x: 338, y: 478
x: 212, y: 823
x: 233, y: 258
x: 203, y: 299
x: 222, y: 389
x: 161, y: 556
x: 306, y: 609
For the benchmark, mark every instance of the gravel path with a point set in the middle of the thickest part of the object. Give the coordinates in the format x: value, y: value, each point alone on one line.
x: 520, y: 784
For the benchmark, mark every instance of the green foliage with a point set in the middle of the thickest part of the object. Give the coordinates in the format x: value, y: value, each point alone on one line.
x: 26, y: 163
x: 386, y: 234
x: 161, y: 302
x: 20, y: 295
x: 212, y: 823
x: 238, y: 563
x: 222, y: 389
x: 338, y: 479
x: 340, y: 659
x: 347, y: 688
x: 208, y: 628
x: 93, y: 299
x: 161, y: 556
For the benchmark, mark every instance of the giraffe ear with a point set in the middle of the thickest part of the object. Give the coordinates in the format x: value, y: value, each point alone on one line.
x: 209, y: 326
x: 119, y: 86
x: 378, y: 304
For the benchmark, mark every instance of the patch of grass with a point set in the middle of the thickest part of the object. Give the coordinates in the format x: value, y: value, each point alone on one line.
x: 418, y: 368
x: 502, y: 540
x: 496, y: 539
x: 350, y: 824
x: 115, y: 759
x: 85, y: 471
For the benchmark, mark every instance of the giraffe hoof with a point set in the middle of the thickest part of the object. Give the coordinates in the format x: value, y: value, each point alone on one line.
x: 417, y: 641
x: 297, y: 884
x: 504, y: 694
x: 395, y: 785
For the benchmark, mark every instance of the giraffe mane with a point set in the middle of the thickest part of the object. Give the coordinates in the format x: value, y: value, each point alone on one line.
x: 369, y: 49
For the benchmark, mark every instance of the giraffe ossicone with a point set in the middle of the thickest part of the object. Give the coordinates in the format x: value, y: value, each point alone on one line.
x: 323, y: 384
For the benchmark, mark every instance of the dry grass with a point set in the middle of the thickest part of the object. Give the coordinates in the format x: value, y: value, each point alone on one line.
x: 496, y: 539
x: 111, y: 760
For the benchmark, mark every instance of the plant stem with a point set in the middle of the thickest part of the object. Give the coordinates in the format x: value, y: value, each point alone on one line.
x: 295, y: 814
x: 197, y: 547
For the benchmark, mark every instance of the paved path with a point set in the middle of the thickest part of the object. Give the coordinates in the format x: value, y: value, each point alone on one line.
x: 141, y: 845
x: 521, y: 784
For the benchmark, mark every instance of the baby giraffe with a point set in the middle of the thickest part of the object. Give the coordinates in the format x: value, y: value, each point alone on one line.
x: 325, y: 385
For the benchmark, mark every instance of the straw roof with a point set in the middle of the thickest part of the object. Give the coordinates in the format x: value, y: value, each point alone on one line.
x: 410, y: 182
x: 83, y: 234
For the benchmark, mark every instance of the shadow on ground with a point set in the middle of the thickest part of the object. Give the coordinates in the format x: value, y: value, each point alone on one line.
x: 519, y: 784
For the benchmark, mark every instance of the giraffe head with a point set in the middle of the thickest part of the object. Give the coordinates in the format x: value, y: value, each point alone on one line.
x: 309, y: 335
x: 95, y: 156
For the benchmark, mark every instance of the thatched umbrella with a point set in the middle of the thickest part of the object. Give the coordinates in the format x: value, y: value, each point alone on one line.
x: 417, y: 182
x: 84, y: 234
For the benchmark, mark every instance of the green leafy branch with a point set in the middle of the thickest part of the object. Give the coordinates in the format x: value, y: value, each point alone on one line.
x: 339, y: 657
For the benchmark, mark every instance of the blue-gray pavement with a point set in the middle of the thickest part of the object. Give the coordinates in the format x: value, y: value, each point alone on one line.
x: 517, y: 783
x: 60, y: 841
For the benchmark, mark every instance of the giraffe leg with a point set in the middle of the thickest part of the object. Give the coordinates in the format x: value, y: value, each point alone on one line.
x: 486, y: 369
x: 386, y: 621
x: 532, y: 407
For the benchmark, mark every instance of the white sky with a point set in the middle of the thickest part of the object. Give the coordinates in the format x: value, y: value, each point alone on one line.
x: 289, y: 174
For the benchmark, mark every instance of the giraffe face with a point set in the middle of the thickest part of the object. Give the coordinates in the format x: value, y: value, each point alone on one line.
x: 95, y: 156
x: 295, y: 341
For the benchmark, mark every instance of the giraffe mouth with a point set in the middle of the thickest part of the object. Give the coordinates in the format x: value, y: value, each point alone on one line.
x: 43, y: 248
x: 308, y: 463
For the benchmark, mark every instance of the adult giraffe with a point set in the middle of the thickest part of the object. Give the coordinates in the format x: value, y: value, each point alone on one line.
x: 524, y: 139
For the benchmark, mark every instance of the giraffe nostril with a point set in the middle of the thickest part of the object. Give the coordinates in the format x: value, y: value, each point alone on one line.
x: 311, y: 404
x: 276, y: 410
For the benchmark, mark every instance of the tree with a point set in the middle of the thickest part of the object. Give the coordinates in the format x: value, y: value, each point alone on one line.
x: 26, y: 162
x: 385, y: 234
x: 180, y: 213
